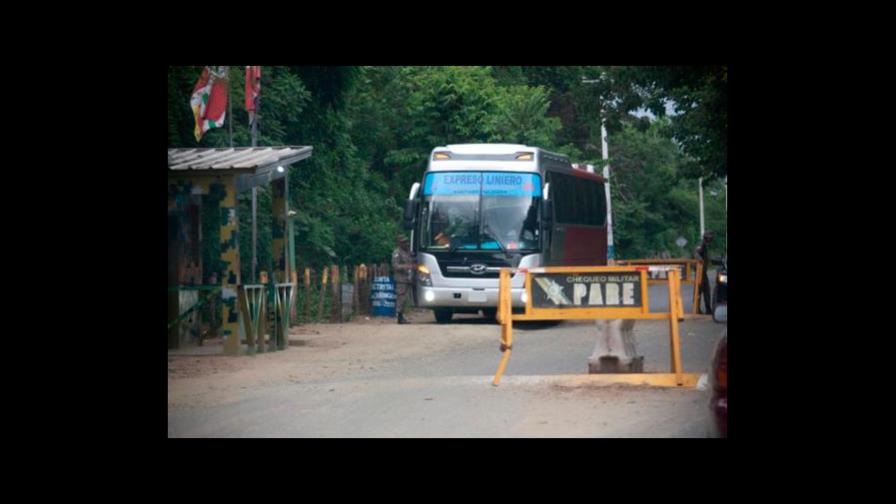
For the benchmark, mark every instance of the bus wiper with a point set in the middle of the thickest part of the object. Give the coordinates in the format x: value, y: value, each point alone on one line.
x: 489, y: 232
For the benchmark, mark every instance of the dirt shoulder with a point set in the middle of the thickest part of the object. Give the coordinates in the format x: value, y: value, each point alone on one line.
x: 317, y: 353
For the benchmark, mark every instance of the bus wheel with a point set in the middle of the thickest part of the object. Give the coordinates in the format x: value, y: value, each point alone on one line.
x: 443, y: 315
x: 490, y: 313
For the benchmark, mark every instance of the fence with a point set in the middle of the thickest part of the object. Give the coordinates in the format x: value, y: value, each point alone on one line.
x: 330, y: 294
x: 335, y: 293
x: 194, y: 314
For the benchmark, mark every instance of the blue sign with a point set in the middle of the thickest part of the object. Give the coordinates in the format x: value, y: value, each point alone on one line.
x: 485, y: 183
x: 382, y: 296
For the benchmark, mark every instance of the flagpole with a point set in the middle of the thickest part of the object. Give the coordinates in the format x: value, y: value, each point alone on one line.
x: 229, y: 108
x: 253, y: 119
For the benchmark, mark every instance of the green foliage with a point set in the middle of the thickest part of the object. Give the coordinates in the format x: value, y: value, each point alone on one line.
x: 652, y: 203
x: 373, y: 128
x: 398, y: 115
x: 263, y: 226
x: 522, y: 117
x: 180, y: 116
x: 211, y: 226
x: 700, y: 125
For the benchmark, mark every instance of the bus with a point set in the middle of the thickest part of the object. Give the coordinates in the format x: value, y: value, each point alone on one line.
x: 483, y: 207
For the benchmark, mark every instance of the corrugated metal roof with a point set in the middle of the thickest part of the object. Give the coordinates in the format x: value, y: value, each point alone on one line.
x: 239, y: 158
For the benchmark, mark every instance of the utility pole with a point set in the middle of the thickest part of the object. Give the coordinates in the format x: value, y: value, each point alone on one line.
x: 702, y: 230
x: 611, y: 249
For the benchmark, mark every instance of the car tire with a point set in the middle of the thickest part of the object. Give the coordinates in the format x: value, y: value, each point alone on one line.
x: 443, y: 315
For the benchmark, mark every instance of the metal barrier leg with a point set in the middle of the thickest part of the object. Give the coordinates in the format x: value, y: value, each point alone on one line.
x: 251, y: 306
x: 247, y: 320
x: 505, y: 315
x: 272, y: 317
x: 675, y: 343
x: 284, y: 298
x: 261, y: 320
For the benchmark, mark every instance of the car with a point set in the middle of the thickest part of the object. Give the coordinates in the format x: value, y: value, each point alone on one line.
x: 718, y: 404
x: 720, y: 292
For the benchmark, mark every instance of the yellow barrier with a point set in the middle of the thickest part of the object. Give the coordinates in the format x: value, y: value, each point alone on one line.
x: 694, y: 266
x: 623, y: 304
x: 689, y: 266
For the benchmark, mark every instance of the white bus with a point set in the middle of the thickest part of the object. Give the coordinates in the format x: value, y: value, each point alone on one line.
x: 481, y: 207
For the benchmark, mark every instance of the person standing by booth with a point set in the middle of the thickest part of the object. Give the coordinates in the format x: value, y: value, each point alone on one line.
x: 403, y: 268
x: 701, y: 253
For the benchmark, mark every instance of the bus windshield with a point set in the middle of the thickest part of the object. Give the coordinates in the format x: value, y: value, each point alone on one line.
x: 473, y: 210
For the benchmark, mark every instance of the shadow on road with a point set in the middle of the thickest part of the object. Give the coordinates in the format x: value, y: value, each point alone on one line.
x: 471, y: 320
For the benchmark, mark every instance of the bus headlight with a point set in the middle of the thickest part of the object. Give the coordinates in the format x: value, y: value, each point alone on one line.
x: 723, y: 278
x: 524, y: 297
x: 423, y: 276
x: 429, y: 296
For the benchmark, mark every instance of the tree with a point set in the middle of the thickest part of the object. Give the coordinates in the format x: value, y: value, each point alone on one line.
x: 700, y: 124
x: 521, y: 117
x: 373, y: 128
x: 652, y: 203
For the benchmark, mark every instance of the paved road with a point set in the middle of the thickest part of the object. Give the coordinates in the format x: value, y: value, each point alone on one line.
x: 429, y: 380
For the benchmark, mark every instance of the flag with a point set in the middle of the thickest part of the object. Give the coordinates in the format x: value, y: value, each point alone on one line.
x: 253, y: 87
x: 209, y: 100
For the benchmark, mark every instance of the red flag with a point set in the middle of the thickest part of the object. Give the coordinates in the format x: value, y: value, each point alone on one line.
x: 253, y: 87
x: 209, y: 100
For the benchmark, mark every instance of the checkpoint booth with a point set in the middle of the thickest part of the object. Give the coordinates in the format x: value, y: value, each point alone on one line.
x: 203, y: 185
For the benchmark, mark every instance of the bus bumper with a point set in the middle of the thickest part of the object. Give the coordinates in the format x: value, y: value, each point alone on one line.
x: 464, y: 297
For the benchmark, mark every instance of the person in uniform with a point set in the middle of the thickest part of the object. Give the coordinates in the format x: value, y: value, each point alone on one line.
x: 701, y: 253
x: 403, y: 268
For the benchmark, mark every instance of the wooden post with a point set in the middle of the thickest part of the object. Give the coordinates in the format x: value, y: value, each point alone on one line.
x: 355, y: 285
x: 362, y: 282
x: 336, y: 307
x: 698, y: 279
x: 323, y: 294
x: 307, y: 301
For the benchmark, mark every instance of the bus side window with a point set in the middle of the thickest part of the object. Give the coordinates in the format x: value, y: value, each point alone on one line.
x: 600, y: 201
x: 565, y: 200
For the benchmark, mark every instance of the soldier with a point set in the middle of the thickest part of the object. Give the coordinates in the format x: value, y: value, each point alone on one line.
x: 403, y: 268
x: 701, y: 253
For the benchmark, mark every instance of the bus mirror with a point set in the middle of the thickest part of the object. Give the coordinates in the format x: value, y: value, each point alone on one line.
x: 546, y: 212
x: 410, y: 210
